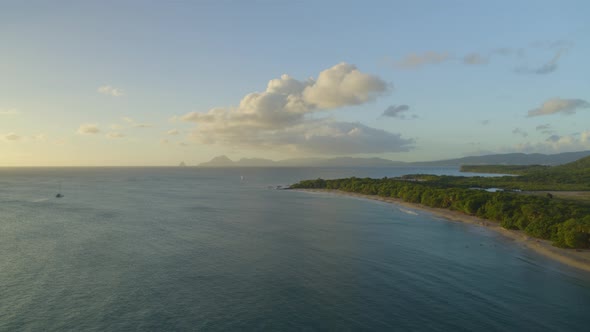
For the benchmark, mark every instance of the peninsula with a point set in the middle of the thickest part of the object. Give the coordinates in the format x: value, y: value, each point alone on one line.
x: 538, y: 204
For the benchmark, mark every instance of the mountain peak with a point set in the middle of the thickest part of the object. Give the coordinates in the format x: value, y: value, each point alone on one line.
x: 219, y: 161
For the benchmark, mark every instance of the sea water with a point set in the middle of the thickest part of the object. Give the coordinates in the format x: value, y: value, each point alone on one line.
x: 174, y: 249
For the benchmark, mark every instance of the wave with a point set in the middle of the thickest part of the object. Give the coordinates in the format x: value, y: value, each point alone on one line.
x: 408, y: 212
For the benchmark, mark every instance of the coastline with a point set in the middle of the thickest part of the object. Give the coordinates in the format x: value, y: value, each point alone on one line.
x: 578, y: 258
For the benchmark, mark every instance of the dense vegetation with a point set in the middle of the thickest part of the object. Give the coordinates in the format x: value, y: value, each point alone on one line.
x: 572, y: 176
x: 503, y: 169
x: 566, y: 223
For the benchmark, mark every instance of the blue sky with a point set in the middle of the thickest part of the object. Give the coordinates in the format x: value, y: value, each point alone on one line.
x: 134, y: 82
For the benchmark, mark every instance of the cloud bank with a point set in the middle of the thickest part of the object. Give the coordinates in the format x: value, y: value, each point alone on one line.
x: 556, y: 144
x: 558, y: 105
x: 283, y: 116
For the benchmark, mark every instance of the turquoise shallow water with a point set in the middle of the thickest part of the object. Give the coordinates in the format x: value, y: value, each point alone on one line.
x: 200, y: 249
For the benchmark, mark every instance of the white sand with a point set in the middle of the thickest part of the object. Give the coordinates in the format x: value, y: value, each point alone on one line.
x: 578, y: 258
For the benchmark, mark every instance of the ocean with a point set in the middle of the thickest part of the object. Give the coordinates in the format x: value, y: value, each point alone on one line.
x: 190, y: 249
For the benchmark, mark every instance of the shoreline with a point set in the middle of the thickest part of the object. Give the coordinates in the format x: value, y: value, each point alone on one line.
x: 578, y: 258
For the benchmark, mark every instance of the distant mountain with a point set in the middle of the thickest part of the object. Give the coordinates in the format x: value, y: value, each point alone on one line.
x: 224, y: 161
x: 340, y: 162
x: 580, y: 164
x: 510, y: 159
x: 494, y: 159
x: 219, y: 161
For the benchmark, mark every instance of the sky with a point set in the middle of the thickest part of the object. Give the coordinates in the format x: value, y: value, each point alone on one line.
x: 129, y: 83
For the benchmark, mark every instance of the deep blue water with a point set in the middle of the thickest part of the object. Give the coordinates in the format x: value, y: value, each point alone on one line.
x: 174, y: 249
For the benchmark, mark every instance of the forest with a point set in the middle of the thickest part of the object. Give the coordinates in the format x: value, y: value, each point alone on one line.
x: 565, y: 222
x: 503, y: 169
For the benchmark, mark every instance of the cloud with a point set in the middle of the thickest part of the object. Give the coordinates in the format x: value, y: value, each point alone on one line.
x: 281, y: 117
x: 135, y: 124
x: 557, y: 48
x: 546, y: 68
x: 558, y: 105
x: 115, y: 134
x: 88, y: 129
x: 12, y: 137
x: 324, y: 136
x: 552, y: 44
x: 110, y: 91
x: 485, y: 122
x: 518, y: 131
x: 560, y: 47
x: 475, y: 59
x: 346, y: 138
x: 414, y: 60
x: 507, y: 51
x: 544, y: 128
x: 555, y: 144
x: 8, y: 112
x: 142, y: 125
x: 39, y: 137
x: 333, y: 137
x: 341, y: 85
x: 173, y: 132
x: 394, y: 111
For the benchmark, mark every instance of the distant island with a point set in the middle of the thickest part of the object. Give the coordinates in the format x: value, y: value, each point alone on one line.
x: 494, y: 159
x: 550, y: 203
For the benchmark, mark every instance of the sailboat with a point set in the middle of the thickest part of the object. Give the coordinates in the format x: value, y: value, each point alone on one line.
x: 59, y: 194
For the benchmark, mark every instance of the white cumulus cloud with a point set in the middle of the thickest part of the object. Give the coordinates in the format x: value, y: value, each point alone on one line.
x: 280, y: 117
x: 342, y: 85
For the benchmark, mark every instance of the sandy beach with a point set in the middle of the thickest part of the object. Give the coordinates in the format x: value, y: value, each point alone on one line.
x: 578, y: 258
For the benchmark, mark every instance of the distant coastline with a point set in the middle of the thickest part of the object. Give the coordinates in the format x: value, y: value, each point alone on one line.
x: 578, y: 258
x: 493, y: 159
